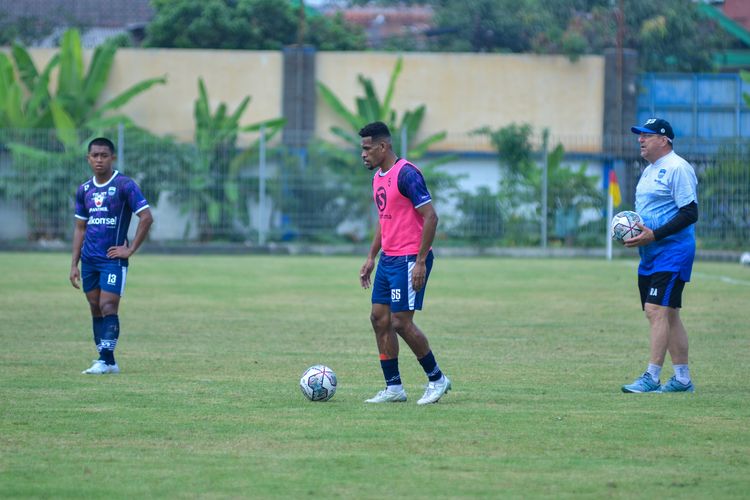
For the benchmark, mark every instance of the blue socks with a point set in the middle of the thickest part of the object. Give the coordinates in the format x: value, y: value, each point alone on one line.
x: 393, y: 377
x: 109, y: 335
x: 390, y: 372
x: 431, y: 368
x: 97, y: 325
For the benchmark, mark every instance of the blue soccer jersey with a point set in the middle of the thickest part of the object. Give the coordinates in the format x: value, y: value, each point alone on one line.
x: 411, y: 184
x: 664, y: 187
x: 107, y: 208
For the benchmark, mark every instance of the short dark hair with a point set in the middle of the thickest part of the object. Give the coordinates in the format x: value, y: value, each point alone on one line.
x: 102, y: 141
x: 376, y: 130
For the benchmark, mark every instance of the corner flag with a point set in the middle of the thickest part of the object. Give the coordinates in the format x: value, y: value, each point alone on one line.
x: 614, y: 188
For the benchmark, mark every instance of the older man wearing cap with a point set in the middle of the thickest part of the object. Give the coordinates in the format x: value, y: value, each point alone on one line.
x: 666, y: 199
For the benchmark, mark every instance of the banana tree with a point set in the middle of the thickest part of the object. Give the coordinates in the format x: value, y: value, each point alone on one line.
x: 370, y: 108
x: 46, y: 133
x: 24, y: 94
x: 212, y: 188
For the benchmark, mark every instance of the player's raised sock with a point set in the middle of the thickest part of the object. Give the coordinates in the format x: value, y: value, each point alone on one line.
x: 682, y: 373
x: 431, y: 368
x: 110, y: 334
x: 654, y: 371
x: 391, y: 374
x: 97, y: 325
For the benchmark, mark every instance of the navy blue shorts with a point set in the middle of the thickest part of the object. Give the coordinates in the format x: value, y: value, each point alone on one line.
x: 392, y: 285
x: 662, y: 289
x: 110, y: 277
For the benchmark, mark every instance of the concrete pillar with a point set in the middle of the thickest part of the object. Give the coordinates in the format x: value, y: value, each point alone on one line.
x: 299, y: 95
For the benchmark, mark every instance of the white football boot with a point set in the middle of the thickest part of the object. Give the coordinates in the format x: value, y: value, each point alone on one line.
x: 386, y: 396
x: 435, y: 391
x: 101, y: 368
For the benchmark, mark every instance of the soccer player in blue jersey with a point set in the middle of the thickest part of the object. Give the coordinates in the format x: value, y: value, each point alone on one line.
x: 666, y: 199
x: 103, y: 208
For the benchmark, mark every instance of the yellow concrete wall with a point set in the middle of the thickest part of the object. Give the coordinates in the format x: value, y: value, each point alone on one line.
x: 168, y: 109
x: 461, y: 91
x: 464, y: 91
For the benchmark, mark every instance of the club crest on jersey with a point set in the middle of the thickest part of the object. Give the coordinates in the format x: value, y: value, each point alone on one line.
x: 380, y: 198
x: 662, y: 172
x: 99, y: 199
x: 112, y: 190
x: 86, y: 187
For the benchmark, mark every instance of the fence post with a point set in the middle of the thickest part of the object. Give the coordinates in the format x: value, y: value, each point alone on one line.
x: 262, y: 187
x: 120, y: 146
x: 545, y: 140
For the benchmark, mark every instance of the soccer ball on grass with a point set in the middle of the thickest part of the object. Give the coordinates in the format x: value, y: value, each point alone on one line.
x: 624, y: 226
x: 318, y: 383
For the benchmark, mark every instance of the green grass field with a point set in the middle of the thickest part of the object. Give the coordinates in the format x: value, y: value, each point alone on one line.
x: 212, y: 348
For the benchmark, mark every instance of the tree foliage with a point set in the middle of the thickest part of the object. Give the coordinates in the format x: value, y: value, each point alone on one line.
x: 670, y: 35
x: 370, y: 108
x: 210, y: 186
x: 246, y: 24
x: 570, y: 190
x: 46, y: 132
x: 23, y: 29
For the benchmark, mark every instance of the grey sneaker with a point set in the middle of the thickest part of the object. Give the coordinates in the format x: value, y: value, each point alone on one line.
x: 101, y: 368
x: 386, y: 396
x: 435, y: 391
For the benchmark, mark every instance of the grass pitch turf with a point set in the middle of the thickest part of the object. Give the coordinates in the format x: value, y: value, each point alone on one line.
x: 212, y: 347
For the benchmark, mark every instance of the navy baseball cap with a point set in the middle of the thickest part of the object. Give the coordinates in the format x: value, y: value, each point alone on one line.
x: 655, y: 126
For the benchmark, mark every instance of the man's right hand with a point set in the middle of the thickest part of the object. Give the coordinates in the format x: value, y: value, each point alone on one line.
x: 365, y: 272
x: 75, y: 277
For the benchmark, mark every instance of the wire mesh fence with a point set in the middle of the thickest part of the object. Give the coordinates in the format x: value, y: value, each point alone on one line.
x: 270, y: 193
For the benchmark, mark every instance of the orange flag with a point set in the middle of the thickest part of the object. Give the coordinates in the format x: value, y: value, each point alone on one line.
x: 614, y: 188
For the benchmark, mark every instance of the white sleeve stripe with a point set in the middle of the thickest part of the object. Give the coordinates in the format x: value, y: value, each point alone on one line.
x: 82, y: 218
x: 141, y: 209
x: 423, y: 203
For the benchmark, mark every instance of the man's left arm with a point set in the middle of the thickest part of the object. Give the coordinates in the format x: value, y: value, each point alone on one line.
x: 145, y: 219
x: 428, y: 235
x: 685, y: 216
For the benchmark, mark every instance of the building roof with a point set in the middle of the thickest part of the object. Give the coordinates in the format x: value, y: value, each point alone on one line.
x: 381, y: 23
x: 738, y: 11
x: 82, y: 13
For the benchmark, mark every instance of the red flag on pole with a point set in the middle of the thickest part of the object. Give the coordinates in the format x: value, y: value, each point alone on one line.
x: 614, y: 188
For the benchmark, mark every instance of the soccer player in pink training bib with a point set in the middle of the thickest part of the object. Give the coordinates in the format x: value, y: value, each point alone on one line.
x: 405, y: 233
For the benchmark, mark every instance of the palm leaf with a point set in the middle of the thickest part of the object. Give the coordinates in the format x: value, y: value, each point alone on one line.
x: 335, y: 104
x: 98, y: 73
x: 420, y: 149
x: 234, y: 118
x: 386, y: 108
x: 347, y: 136
x: 38, y: 156
x: 371, y: 102
x: 202, y: 110
x: 26, y: 69
x: 64, y: 126
x: 70, y: 79
x: 13, y: 104
x: 124, y: 97
x: 39, y: 100
x: 272, y: 126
